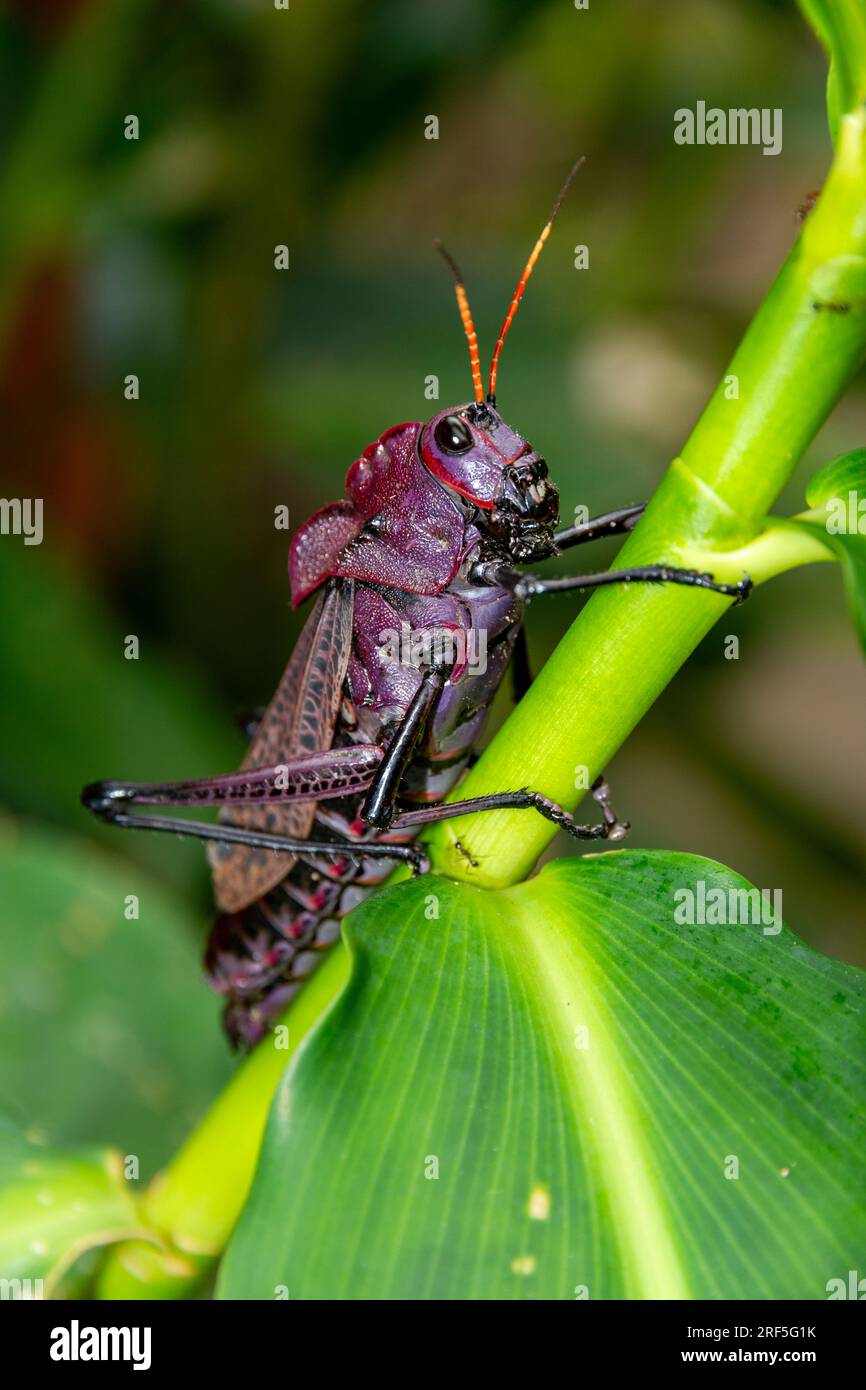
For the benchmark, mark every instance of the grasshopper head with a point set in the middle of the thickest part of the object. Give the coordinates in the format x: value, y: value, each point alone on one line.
x: 470, y: 449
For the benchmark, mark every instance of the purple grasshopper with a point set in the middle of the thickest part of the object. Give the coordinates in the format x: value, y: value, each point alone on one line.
x: 358, y: 747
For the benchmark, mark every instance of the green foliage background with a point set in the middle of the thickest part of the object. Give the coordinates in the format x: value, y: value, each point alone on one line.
x: 260, y: 388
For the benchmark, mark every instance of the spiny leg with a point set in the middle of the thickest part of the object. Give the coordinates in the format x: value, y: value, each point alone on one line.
x: 331, y: 772
x: 529, y: 586
x: 534, y: 587
x: 357, y: 851
x: 609, y: 828
x: 311, y: 777
x: 608, y: 524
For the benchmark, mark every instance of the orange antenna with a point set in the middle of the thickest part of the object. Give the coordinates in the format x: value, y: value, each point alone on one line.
x: 521, y: 284
x: 466, y: 318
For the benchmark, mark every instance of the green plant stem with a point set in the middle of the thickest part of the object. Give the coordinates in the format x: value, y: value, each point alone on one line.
x: 625, y: 646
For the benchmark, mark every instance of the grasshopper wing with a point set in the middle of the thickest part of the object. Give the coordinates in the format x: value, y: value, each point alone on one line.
x: 301, y: 718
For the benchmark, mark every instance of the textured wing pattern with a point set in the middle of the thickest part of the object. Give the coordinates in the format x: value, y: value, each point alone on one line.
x: 301, y: 718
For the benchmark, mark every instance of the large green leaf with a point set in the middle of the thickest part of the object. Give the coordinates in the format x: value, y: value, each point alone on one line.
x: 108, y: 1033
x: 53, y: 1207
x: 565, y: 1167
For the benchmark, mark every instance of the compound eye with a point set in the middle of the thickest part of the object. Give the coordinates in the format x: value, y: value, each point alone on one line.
x: 453, y: 435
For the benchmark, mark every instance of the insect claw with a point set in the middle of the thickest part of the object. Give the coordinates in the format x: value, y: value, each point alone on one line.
x: 611, y: 827
x: 744, y: 588
x: 618, y: 830
x: 739, y: 592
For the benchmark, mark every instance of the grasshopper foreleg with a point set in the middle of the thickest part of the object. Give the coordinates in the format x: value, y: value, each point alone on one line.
x: 608, y: 524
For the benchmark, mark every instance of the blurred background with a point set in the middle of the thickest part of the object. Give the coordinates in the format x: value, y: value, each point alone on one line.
x: 258, y: 387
